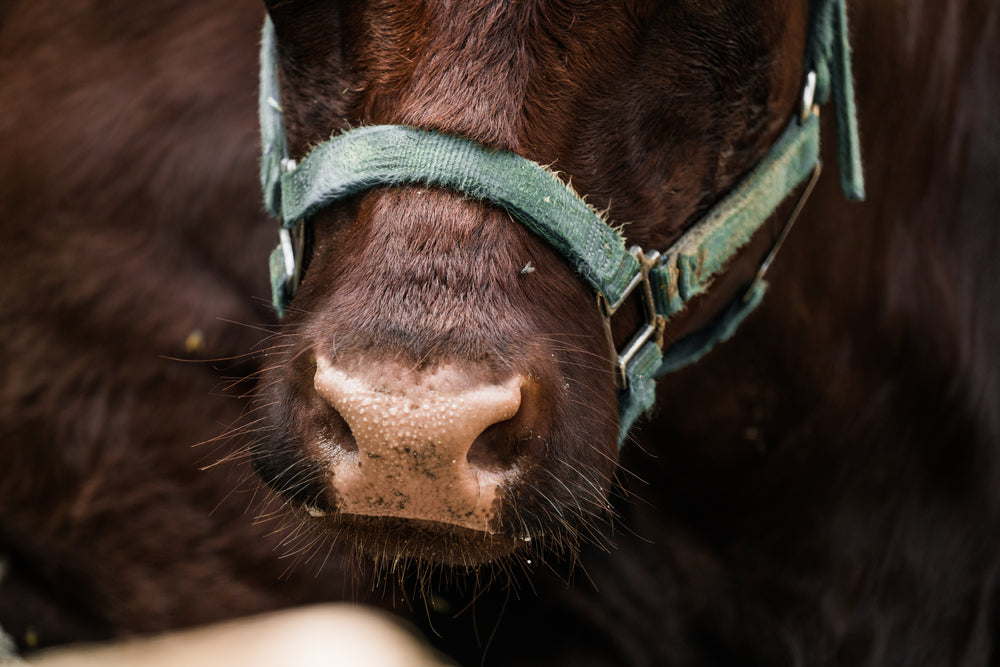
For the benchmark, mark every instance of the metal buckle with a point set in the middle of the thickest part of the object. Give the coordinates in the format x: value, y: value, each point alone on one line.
x: 292, y: 243
x: 654, y: 325
x: 809, y: 105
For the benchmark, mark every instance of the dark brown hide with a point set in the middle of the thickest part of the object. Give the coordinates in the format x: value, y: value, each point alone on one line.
x: 132, y: 241
x: 821, y: 490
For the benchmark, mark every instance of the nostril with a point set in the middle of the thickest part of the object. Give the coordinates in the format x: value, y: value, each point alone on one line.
x: 333, y: 428
x: 501, y: 446
x: 496, y: 449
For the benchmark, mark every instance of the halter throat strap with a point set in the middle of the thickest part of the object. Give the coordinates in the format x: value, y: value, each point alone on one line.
x: 394, y: 155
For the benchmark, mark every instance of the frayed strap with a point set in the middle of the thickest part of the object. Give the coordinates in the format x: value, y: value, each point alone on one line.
x: 393, y: 155
x: 830, y: 57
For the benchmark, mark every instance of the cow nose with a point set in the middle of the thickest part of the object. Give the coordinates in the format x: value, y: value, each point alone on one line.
x: 414, y: 431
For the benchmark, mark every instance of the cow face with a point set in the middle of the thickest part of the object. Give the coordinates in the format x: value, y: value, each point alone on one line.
x: 441, y: 387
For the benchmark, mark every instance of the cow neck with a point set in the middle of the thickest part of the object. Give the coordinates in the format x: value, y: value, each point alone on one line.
x: 395, y: 155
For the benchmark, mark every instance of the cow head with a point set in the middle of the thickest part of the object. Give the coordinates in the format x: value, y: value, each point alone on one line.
x: 441, y: 387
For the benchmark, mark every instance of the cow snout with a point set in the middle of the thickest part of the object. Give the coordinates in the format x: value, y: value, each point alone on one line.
x: 433, y: 444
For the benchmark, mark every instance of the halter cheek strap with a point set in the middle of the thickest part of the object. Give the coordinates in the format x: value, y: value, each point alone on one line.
x: 394, y: 155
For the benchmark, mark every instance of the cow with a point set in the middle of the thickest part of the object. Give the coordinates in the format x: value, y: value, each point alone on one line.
x: 437, y: 417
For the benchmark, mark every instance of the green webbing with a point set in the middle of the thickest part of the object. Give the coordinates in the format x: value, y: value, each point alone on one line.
x: 691, y: 264
x: 829, y: 55
x: 392, y: 155
x: 639, y: 396
x: 697, y: 344
x: 272, y: 126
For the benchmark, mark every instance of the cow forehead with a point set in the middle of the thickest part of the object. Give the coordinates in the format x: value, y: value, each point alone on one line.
x: 518, y: 76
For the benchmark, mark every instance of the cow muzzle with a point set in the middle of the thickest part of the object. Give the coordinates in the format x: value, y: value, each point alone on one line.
x: 434, y: 444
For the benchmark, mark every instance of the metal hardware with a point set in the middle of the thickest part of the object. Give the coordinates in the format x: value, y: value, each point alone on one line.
x: 292, y: 243
x: 651, y: 330
x: 766, y: 262
x: 809, y: 97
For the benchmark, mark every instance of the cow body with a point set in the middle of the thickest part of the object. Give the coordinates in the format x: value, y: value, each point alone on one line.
x: 819, y: 490
x: 100, y: 454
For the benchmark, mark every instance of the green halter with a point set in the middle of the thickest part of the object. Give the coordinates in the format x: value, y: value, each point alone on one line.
x: 393, y: 155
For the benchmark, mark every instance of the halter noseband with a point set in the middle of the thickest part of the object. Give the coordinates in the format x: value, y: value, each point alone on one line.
x: 394, y: 155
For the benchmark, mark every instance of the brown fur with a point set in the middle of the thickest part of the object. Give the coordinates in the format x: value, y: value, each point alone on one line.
x: 131, y: 219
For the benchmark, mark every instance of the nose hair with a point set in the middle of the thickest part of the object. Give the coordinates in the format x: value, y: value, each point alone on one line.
x: 413, y: 431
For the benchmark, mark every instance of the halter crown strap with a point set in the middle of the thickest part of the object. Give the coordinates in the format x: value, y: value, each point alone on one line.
x: 274, y: 153
x: 393, y: 155
x: 829, y: 55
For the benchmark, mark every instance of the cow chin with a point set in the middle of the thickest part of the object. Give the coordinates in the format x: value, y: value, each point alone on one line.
x: 389, y: 540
